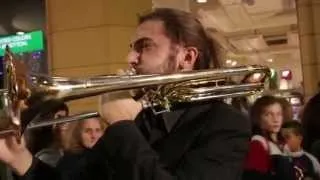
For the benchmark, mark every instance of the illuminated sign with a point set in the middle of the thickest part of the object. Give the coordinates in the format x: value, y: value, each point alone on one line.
x: 27, y: 42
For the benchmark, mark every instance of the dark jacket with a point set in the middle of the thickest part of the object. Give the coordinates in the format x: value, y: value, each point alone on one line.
x: 69, y: 160
x: 208, y: 141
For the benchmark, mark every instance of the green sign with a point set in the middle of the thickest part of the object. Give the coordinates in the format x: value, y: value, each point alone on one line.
x: 27, y: 42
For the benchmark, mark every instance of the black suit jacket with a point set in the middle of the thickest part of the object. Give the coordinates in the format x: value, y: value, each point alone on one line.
x: 209, y: 141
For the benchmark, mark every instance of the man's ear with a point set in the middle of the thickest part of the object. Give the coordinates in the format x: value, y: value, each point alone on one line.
x: 190, y: 56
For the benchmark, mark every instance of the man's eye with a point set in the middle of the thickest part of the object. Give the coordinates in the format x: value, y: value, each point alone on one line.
x: 146, y: 45
x: 142, y: 46
x: 138, y: 47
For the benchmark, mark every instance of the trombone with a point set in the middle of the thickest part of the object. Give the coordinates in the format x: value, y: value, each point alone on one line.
x: 159, y: 90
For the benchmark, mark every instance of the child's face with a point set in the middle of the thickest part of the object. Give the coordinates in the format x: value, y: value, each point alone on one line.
x: 292, y: 140
x: 272, y: 118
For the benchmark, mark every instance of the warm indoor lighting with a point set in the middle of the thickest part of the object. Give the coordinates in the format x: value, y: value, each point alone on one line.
x: 256, y: 76
x: 234, y: 63
x: 270, y: 60
x: 228, y: 61
x: 201, y: 1
x: 20, y: 33
x: 285, y: 73
x: 295, y: 101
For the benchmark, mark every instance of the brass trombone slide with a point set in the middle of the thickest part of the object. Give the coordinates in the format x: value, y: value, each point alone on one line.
x: 161, y: 90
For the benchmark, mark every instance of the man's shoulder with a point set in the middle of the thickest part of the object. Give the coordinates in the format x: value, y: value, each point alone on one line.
x: 220, y: 108
x: 225, y: 116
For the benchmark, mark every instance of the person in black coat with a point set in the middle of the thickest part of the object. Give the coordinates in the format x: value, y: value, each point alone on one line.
x: 311, y: 125
x: 206, y: 140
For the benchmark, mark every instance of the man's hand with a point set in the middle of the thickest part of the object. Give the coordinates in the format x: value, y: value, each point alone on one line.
x: 15, y: 154
x: 118, y: 106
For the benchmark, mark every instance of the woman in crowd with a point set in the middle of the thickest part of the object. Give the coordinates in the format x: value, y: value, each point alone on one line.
x: 265, y: 159
x: 83, y: 136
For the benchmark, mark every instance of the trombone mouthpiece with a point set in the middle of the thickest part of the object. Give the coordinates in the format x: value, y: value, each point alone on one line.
x: 131, y: 71
x: 126, y: 72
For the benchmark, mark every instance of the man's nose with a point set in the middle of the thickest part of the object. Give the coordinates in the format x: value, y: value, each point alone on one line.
x: 133, y: 58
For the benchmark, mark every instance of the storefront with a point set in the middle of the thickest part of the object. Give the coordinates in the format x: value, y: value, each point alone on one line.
x: 29, y: 48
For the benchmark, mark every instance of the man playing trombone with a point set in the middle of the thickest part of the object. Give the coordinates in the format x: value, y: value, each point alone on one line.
x: 206, y: 140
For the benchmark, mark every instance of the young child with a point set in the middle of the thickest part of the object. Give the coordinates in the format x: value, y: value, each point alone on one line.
x: 306, y: 165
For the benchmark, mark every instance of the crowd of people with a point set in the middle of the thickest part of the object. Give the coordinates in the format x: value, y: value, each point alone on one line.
x: 276, y: 149
x: 61, y: 145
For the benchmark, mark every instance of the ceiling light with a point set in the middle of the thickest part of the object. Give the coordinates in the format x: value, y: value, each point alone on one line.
x: 270, y: 60
x: 228, y: 61
x: 201, y: 1
x: 234, y: 63
x: 20, y: 33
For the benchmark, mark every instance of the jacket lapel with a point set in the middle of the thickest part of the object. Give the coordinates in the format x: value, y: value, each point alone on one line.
x: 183, y: 134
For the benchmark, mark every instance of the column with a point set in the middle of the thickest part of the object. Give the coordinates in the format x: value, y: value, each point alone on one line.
x: 309, y: 31
x: 87, y: 38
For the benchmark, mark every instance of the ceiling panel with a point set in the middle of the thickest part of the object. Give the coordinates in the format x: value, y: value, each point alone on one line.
x: 238, y: 15
x: 229, y: 2
x: 262, y: 6
x: 21, y: 15
x: 274, y: 20
x: 216, y: 19
x: 243, y: 27
x: 241, y: 44
x: 249, y: 44
x: 257, y: 43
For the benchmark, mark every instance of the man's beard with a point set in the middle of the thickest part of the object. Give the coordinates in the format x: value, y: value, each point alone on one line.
x: 169, y: 66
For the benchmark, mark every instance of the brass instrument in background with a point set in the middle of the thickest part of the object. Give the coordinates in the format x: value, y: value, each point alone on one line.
x: 159, y: 90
